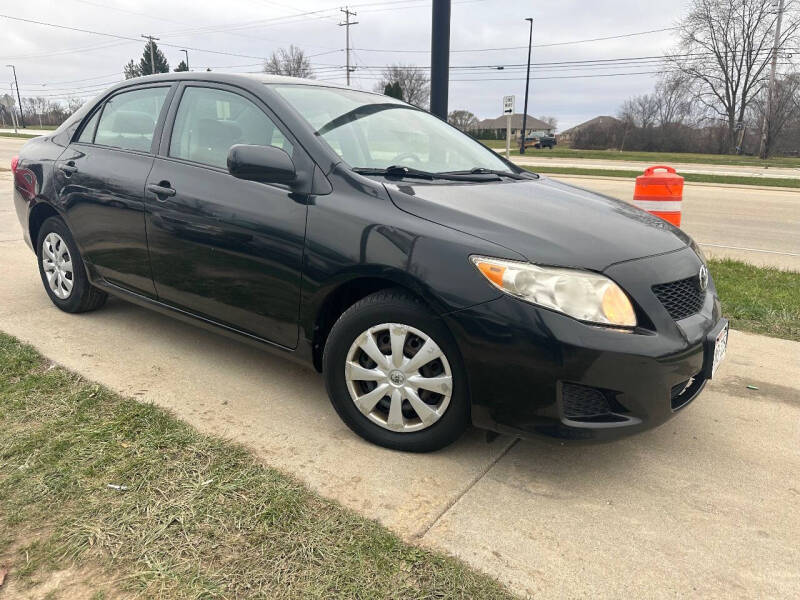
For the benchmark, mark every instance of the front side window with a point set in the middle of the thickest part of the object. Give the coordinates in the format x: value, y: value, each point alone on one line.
x: 209, y: 121
x: 372, y: 131
x: 129, y: 119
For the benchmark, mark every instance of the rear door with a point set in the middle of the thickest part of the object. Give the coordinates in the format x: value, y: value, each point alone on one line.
x: 222, y: 248
x: 100, y: 181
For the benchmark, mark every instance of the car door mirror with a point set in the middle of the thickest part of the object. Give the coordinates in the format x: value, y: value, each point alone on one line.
x: 266, y: 164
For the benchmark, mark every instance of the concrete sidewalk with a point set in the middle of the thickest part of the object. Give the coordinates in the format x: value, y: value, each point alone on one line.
x: 706, y: 506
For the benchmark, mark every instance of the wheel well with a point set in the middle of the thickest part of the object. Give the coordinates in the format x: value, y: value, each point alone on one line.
x: 39, y: 214
x: 338, y: 302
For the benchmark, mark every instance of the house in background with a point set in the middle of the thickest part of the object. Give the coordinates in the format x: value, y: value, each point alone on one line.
x: 496, y: 128
x: 601, y: 122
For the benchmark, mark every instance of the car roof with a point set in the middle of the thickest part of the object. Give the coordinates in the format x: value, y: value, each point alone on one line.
x: 230, y: 78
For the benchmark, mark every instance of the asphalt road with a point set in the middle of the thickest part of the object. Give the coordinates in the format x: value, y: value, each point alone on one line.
x: 707, y: 506
x: 760, y: 225
x: 9, y: 148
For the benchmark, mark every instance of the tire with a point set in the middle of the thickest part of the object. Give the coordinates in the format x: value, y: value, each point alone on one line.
x: 74, y: 294
x: 445, y: 410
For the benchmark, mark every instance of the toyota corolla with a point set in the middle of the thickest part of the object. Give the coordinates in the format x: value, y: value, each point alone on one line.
x: 433, y: 283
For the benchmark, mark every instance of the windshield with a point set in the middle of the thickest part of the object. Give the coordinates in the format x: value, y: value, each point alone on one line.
x: 370, y: 131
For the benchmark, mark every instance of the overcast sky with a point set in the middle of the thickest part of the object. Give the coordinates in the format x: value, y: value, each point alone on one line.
x: 391, y: 31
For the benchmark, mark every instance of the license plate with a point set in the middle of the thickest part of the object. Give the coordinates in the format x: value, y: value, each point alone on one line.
x: 720, y: 346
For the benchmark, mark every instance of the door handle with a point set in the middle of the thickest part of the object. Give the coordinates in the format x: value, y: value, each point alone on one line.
x: 68, y: 168
x: 162, y: 190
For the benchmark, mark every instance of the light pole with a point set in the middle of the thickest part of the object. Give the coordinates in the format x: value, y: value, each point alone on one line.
x: 527, y: 83
x: 440, y: 57
x: 187, y: 58
x: 16, y: 84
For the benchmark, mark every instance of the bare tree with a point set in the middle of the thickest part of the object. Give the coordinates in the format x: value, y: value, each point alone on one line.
x: 673, y: 100
x: 551, y: 121
x: 640, y: 111
x: 462, y: 119
x: 785, y: 109
x: 725, y: 48
x: 414, y: 83
x: 291, y: 62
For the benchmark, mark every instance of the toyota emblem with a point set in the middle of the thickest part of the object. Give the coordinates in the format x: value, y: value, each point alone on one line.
x: 703, y: 277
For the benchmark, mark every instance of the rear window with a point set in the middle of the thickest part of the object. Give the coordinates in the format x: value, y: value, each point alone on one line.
x: 129, y: 119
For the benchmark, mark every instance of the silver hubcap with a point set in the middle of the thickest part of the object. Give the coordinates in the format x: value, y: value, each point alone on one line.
x: 57, y: 264
x: 398, y: 377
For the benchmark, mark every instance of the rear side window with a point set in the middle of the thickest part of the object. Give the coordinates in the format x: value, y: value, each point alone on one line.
x: 209, y: 121
x: 87, y: 135
x: 129, y: 119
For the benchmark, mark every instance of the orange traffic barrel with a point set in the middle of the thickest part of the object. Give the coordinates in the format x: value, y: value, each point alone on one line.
x: 660, y: 191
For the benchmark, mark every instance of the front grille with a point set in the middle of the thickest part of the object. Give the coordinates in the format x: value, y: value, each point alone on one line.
x: 682, y: 298
x: 590, y: 405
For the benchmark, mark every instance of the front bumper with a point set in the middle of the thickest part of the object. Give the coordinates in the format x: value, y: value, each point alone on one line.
x: 525, y: 364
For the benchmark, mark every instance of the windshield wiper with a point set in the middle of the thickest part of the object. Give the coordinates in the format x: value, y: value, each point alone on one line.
x: 499, y: 173
x: 402, y: 172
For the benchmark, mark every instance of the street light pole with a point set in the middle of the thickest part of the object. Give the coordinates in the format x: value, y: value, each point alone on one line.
x: 187, y: 58
x: 527, y: 84
x: 16, y: 84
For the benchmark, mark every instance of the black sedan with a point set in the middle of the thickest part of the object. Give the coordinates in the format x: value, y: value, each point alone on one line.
x: 432, y: 282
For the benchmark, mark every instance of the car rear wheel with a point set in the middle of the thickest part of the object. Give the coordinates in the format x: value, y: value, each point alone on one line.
x: 394, y: 374
x: 62, y: 270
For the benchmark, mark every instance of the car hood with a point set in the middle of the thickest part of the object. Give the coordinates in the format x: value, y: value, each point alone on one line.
x: 547, y: 222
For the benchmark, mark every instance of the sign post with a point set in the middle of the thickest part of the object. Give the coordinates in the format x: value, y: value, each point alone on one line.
x: 508, y: 110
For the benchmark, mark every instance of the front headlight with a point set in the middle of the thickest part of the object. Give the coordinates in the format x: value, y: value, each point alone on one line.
x: 579, y: 294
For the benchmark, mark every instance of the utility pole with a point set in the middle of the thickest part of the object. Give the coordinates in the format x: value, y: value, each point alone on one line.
x: 765, y: 125
x: 440, y: 57
x: 527, y: 85
x: 16, y: 84
x: 152, y: 58
x: 187, y: 58
x: 347, y: 22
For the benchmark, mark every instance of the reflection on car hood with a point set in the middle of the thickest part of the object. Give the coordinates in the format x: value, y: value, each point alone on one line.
x: 548, y: 222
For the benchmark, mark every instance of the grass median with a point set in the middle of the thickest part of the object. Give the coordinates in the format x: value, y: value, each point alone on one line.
x: 759, y: 299
x: 198, y: 517
x: 688, y: 177
x: 651, y: 157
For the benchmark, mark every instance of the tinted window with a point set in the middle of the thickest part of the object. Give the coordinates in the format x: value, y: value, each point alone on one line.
x: 210, y: 121
x: 87, y: 135
x: 129, y: 119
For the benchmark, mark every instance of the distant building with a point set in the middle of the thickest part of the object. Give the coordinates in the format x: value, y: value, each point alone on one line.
x: 497, y: 127
x: 605, y: 121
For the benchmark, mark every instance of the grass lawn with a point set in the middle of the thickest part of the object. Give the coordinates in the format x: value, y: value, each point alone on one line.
x: 758, y: 299
x: 652, y: 157
x: 688, y: 177
x: 200, y: 517
x: 18, y: 135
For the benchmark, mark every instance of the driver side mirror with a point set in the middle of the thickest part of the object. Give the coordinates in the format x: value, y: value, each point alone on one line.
x: 265, y: 164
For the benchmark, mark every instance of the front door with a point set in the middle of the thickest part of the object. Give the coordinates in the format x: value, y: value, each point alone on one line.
x: 100, y: 182
x: 222, y: 248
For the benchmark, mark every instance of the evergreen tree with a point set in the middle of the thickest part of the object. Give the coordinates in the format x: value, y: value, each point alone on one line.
x: 131, y: 70
x: 159, y: 60
x: 181, y: 67
x: 393, y: 90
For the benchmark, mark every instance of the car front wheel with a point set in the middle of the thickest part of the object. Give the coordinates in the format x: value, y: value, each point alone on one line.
x: 394, y: 374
